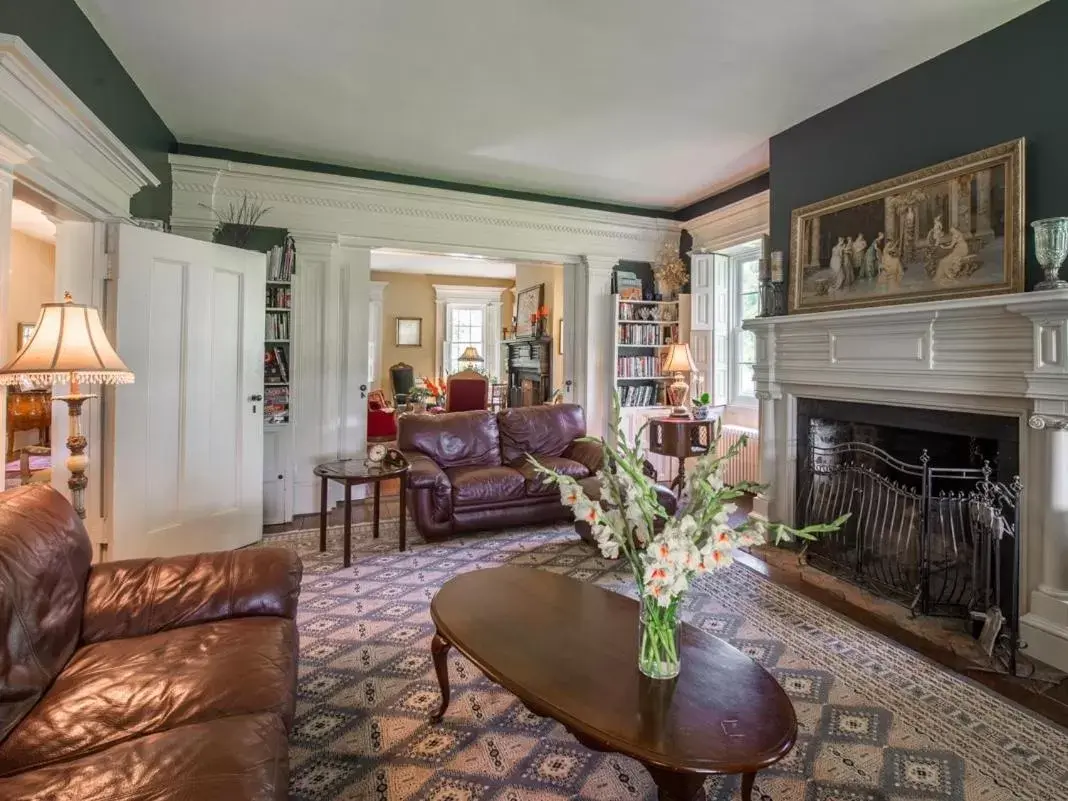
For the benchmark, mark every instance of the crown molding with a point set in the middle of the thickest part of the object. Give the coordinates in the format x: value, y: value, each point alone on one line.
x: 731, y: 225
x: 52, y: 139
x: 386, y: 214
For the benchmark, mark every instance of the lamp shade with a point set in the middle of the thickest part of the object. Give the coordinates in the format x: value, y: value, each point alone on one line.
x: 68, y: 341
x: 470, y: 354
x: 679, y: 360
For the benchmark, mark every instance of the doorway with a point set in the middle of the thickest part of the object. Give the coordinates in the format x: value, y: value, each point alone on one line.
x: 28, y: 452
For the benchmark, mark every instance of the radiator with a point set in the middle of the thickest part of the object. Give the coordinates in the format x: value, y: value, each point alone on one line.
x: 745, y: 465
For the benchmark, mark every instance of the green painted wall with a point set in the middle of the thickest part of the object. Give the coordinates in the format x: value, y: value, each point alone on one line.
x: 1007, y: 83
x: 59, y: 33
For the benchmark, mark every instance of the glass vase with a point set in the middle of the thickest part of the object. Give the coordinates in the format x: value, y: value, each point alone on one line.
x: 1051, y: 248
x: 658, y: 640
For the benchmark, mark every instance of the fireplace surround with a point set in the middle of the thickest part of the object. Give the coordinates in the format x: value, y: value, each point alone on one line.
x: 1004, y: 356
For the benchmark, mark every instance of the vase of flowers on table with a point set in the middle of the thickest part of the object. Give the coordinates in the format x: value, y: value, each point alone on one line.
x: 666, y: 552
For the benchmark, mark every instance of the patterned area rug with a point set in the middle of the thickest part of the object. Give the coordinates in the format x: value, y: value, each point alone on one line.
x: 877, y: 721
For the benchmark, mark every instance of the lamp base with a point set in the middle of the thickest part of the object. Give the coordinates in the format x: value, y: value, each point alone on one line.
x: 78, y: 461
x: 680, y: 412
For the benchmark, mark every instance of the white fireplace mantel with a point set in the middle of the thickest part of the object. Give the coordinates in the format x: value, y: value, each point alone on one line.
x: 1005, y: 355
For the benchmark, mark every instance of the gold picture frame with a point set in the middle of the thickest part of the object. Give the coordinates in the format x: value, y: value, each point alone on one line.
x: 409, y: 332
x: 952, y: 230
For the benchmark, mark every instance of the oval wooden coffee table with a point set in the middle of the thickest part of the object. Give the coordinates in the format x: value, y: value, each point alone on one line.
x: 569, y: 651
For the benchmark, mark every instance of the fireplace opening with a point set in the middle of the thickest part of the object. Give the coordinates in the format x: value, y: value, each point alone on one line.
x: 933, y: 500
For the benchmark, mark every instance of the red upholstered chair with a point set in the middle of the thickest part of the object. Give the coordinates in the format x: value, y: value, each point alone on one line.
x: 381, y: 422
x: 466, y: 391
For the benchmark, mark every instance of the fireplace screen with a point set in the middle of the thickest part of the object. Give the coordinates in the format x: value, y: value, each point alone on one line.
x: 941, y: 540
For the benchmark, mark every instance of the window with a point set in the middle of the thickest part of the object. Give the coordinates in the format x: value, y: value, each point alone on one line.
x: 746, y: 270
x: 466, y: 328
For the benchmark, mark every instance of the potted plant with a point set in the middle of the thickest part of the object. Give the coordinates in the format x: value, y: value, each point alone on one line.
x: 701, y: 407
x: 418, y: 397
x: 666, y: 552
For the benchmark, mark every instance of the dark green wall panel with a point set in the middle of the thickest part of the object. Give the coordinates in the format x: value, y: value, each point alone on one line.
x: 1010, y: 82
x: 59, y: 33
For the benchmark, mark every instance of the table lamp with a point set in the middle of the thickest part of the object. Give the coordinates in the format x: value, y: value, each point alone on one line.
x: 69, y: 346
x: 470, y: 357
x: 679, y: 361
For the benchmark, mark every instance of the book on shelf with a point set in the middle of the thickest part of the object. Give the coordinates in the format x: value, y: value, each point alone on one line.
x: 279, y: 297
x: 276, y: 405
x: 638, y: 367
x: 275, y: 365
x: 281, y: 261
x: 277, y: 324
x: 638, y: 395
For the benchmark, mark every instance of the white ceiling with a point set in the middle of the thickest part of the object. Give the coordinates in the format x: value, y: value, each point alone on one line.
x: 645, y: 102
x: 402, y: 261
x: 31, y: 221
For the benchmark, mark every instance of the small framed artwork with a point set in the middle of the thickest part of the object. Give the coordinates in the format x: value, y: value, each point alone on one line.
x: 527, y: 303
x: 560, y: 336
x: 409, y: 332
x: 25, y: 334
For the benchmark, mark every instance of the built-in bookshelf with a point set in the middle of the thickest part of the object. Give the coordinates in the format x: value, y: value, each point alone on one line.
x: 644, y: 329
x: 278, y: 325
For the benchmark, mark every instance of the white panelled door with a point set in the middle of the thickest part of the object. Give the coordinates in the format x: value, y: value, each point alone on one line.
x: 188, y: 434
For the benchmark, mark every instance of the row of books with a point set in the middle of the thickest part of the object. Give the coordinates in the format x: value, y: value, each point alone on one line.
x: 279, y: 297
x: 276, y: 405
x: 638, y: 367
x: 277, y: 325
x: 281, y: 260
x: 275, y: 365
x: 650, y: 335
x: 640, y: 395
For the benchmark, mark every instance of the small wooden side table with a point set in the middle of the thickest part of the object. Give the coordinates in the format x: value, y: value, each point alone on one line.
x: 356, y: 471
x: 681, y: 438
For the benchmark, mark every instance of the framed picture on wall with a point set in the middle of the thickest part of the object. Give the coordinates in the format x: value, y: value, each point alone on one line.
x: 25, y: 333
x: 954, y: 229
x: 527, y: 303
x: 409, y: 332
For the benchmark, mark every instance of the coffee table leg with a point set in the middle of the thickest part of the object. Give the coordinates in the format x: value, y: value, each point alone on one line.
x: 348, y: 524
x: 673, y: 786
x: 378, y: 492
x: 439, y: 649
x: 322, y: 516
x: 747, y: 786
x: 402, y: 524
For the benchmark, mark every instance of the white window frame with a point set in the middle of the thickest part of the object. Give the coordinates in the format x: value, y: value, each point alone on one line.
x: 448, y: 342
x: 747, y: 251
x: 488, y: 299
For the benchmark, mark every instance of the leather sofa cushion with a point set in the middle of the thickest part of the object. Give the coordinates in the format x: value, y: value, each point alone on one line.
x: 453, y: 439
x: 536, y: 485
x: 44, y: 561
x: 115, y: 690
x: 240, y: 758
x: 546, y: 429
x: 476, y: 486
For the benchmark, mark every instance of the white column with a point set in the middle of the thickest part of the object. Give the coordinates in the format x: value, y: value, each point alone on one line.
x: 1045, y: 625
x: 593, y: 375
x: 314, y: 358
x: 7, y: 343
x: 354, y: 274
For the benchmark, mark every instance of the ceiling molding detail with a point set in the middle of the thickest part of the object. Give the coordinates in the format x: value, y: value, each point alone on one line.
x: 383, y: 214
x: 52, y: 140
x: 731, y: 225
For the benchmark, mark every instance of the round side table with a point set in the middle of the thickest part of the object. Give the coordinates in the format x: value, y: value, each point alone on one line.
x: 350, y: 472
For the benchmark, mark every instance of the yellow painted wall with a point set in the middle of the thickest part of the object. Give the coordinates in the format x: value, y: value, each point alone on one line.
x: 410, y: 295
x: 33, y: 281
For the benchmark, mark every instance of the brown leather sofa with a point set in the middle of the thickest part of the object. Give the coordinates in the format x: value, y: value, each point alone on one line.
x: 158, y: 679
x: 469, y: 470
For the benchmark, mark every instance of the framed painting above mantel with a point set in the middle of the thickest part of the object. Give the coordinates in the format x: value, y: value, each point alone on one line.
x: 952, y: 230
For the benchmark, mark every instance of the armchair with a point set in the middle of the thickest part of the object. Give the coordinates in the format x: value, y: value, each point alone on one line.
x: 466, y: 391
x: 402, y: 380
x: 381, y: 421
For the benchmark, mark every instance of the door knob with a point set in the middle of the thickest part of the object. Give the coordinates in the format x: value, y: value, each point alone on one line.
x: 363, y: 390
x: 254, y: 400
x: 255, y: 397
